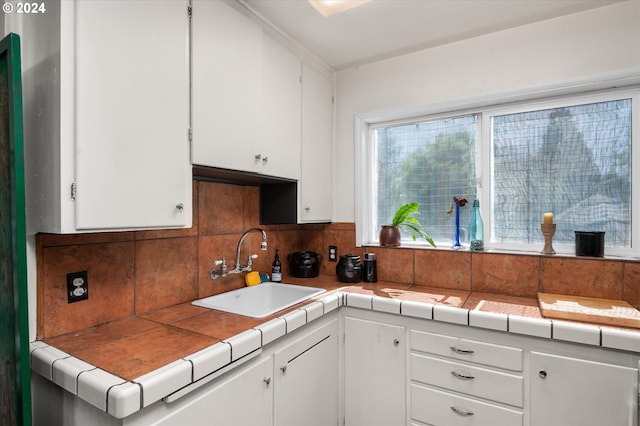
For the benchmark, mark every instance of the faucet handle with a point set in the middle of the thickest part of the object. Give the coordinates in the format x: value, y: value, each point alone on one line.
x: 250, y: 261
x: 223, y: 269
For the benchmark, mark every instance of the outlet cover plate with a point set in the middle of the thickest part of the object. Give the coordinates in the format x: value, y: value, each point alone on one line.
x: 333, y: 253
x: 77, y: 286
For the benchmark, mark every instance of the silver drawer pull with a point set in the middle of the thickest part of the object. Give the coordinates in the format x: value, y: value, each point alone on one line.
x: 461, y: 351
x: 461, y: 411
x: 462, y: 376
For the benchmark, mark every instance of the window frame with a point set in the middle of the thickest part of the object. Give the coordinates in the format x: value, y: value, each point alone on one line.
x: 365, y: 182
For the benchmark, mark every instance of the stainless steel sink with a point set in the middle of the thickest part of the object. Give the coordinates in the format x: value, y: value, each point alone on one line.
x: 260, y: 300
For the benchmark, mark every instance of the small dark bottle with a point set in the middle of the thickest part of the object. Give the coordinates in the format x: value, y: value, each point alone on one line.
x: 276, y: 269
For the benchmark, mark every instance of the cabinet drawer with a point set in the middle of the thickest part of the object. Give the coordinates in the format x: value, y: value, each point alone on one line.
x: 504, y: 357
x: 436, y: 407
x: 476, y: 381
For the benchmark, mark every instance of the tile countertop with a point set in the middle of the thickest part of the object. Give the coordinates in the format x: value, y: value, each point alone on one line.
x: 183, y: 343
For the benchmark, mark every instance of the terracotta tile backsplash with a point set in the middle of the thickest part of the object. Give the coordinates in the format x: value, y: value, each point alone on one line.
x: 141, y: 272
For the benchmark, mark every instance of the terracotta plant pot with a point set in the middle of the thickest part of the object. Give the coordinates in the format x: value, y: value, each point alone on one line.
x: 389, y: 236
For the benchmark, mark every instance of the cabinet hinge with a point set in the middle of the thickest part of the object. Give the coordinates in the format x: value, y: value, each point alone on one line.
x: 189, y: 134
x: 74, y: 190
x: 189, y: 11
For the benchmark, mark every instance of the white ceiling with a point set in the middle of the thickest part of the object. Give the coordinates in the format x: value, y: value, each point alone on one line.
x: 385, y: 28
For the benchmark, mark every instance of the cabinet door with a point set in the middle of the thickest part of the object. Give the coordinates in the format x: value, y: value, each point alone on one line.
x: 242, y: 397
x: 132, y: 115
x: 568, y: 391
x: 306, y: 380
x: 374, y: 373
x: 280, y: 126
x: 315, y: 187
x: 227, y: 87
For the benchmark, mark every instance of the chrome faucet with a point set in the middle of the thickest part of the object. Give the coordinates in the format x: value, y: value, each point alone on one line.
x: 239, y: 268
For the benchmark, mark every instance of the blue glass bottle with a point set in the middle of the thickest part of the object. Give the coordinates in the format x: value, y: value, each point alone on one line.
x: 476, y: 228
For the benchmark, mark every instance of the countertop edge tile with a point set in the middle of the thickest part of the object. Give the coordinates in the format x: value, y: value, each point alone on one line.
x: 314, y: 310
x: 42, y: 360
x: 93, y: 386
x: 244, y: 343
x: 295, y: 319
x: 536, y: 327
x: 451, y: 314
x: 617, y: 338
x: 576, y: 332
x: 37, y: 344
x: 164, y: 380
x: 415, y: 309
x: 489, y: 320
x: 385, y: 304
x: 123, y: 399
x: 332, y: 301
x: 66, y: 371
x: 272, y: 330
x: 362, y: 301
x: 210, y: 359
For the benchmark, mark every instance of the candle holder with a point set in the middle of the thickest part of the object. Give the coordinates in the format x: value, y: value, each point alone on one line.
x: 548, y: 229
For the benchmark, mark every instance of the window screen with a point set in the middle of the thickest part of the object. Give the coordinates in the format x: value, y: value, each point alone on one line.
x: 573, y: 161
x: 428, y: 162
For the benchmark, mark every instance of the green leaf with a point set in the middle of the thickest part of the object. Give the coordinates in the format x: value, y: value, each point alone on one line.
x: 403, y: 212
x: 404, y: 219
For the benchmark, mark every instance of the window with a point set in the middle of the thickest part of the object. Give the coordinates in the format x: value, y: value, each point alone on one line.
x: 571, y: 156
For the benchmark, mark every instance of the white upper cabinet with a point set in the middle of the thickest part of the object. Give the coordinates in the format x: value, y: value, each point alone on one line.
x: 106, y: 95
x: 315, y: 188
x: 246, y: 95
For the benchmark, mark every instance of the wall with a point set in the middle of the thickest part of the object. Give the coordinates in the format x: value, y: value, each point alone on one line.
x: 131, y: 273
x: 588, y: 47
x: 135, y: 272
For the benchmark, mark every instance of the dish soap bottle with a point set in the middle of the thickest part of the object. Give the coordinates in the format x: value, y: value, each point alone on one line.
x: 276, y: 269
x: 476, y: 228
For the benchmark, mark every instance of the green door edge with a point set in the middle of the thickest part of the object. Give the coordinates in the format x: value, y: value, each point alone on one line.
x: 10, y: 46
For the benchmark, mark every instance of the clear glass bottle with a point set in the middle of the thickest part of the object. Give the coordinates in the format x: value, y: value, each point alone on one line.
x: 476, y: 228
x: 276, y: 269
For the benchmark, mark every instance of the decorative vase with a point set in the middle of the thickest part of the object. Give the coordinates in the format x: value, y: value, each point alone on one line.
x: 457, y: 244
x: 389, y: 236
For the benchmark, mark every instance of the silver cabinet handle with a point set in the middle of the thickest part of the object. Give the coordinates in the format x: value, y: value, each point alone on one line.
x: 542, y: 374
x: 265, y: 160
x: 461, y: 411
x: 462, y: 376
x: 461, y: 351
x: 396, y: 342
x: 267, y: 380
x: 180, y: 207
x: 283, y: 368
x: 258, y: 157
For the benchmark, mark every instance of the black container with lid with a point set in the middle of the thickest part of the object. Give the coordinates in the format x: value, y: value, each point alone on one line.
x: 304, y: 264
x: 590, y: 243
x: 349, y: 269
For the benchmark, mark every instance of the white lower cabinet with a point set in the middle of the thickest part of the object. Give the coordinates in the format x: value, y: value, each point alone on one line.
x: 569, y: 391
x: 306, y: 380
x: 293, y: 383
x: 240, y: 398
x: 465, y: 382
x: 374, y: 373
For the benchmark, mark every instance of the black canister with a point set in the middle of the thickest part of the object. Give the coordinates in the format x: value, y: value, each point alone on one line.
x: 590, y: 243
x: 349, y: 269
x: 370, y: 270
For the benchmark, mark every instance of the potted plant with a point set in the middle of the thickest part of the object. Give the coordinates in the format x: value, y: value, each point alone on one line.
x: 405, y: 220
